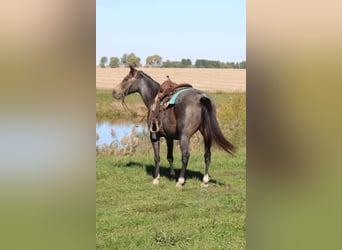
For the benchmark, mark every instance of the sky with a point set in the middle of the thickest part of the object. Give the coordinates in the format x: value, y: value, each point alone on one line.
x: 173, y: 29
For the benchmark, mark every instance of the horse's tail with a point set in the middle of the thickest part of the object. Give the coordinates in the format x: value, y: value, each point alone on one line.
x: 211, y: 128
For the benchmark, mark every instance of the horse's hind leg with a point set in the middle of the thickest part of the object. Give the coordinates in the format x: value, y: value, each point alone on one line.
x: 207, y: 159
x: 156, y: 148
x: 170, y: 158
x: 184, y: 145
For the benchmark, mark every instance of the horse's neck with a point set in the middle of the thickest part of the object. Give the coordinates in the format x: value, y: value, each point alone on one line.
x: 148, y: 91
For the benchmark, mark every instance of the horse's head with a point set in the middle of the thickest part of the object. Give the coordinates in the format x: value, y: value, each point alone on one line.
x: 128, y: 85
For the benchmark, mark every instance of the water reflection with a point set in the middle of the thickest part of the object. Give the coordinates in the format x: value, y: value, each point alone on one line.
x: 108, y: 131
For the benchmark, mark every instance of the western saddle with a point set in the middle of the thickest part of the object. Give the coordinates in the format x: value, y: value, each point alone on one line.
x: 161, y: 102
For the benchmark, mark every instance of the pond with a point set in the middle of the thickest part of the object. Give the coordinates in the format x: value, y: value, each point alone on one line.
x: 109, y: 131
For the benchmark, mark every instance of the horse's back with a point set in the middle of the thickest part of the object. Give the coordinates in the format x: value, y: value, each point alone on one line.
x: 185, y: 116
x: 190, y: 99
x: 188, y: 111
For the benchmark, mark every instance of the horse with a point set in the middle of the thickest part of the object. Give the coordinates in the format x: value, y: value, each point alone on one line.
x: 193, y: 110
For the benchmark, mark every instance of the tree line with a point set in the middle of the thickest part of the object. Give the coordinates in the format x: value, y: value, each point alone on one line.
x: 157, y: 61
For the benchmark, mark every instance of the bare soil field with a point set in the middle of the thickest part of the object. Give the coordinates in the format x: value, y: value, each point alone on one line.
x: 211, y: 80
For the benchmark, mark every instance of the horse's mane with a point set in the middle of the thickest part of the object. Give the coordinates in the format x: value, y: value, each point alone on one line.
x: 147, y: 76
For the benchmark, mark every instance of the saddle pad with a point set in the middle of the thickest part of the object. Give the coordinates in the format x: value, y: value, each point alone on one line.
x: 175, y: 95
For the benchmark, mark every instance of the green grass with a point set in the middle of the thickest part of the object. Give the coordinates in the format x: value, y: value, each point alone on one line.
x: 132, y: 213
x: 108, y: 108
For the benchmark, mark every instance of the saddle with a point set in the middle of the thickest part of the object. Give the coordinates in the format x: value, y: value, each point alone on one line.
x: 161, y: 102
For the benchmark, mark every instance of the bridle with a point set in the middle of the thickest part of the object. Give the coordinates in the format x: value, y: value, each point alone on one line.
x: 124, y: 105
x: 126, y: 90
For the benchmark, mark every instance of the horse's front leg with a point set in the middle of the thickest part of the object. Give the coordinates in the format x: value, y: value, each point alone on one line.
x: 170, y: 158
x: 156, y: 150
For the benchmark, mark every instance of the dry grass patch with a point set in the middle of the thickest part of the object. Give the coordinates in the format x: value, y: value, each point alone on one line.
x: 212, y: 80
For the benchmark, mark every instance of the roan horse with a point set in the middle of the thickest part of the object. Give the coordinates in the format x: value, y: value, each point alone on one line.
x: 192, y: 111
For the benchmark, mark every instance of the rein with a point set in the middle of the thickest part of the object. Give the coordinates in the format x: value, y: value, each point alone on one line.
x: 131, y: 112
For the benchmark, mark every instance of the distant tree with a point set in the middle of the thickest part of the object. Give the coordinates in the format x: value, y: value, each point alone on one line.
x: 185, y: 63
x: 167, y: 64
x: 214, y: 64
x: 203, y: 63
x: 223, y: 65
x: 124, y: 60
x: 103, y: 61
x: 114, y: 62
x: 230, y: 65
x: 227, y: 65
x: 154, y: 61
x: 200, y: 63
x: 243, y: 65
x: 133, y: 60
x: 172, y: 64
x: 234, y: 65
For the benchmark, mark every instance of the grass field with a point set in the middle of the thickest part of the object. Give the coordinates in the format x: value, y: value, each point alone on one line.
x: 213, y: 80
x: 131, y: 213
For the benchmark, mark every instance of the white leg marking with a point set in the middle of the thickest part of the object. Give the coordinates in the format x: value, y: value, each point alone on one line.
x: 205, y: 181
x: 180, y: 182
x: 156, y: 180
x: 206, y: 178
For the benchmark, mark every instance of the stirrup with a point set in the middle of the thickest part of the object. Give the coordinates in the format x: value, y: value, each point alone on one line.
x: 156, y: 126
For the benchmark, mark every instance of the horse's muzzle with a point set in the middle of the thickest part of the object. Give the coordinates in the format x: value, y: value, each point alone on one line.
x: 116, y: 95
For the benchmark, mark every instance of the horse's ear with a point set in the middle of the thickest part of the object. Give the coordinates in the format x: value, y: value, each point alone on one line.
x: 132, y: 68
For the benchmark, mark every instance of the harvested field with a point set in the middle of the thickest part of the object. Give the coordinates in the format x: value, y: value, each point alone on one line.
x: 212, y: 80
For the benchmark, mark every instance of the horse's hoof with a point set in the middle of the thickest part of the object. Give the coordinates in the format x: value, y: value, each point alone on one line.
x: 180, y: 182
x: 179, y: 185
x: 206, y: 179
x: 156, y: 180
x: 172, y: 177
